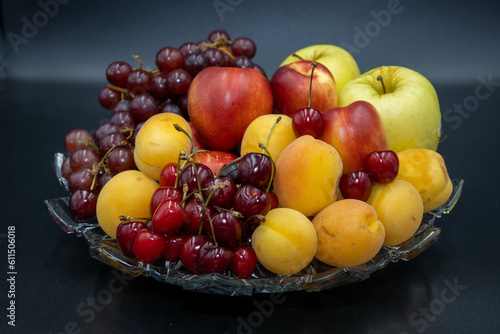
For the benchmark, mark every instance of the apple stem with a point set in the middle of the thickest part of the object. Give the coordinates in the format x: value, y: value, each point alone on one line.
x: 180, y: 129
x: 270, y: 132
x: 381, y: 79
x: 297, y: 56
x: 314, y: 64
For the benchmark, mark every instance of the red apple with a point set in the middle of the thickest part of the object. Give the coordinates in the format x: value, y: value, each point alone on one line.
x: 198, y: 145
x: 290, y: 84
x: 354, y: 130
x: 223, y: 101
x: 216, y: 159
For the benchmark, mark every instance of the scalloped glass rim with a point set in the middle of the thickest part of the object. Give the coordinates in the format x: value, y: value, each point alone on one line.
x: 316, y: 276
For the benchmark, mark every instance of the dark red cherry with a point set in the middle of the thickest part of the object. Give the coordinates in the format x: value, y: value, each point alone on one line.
x: 251, y: 201
x: 221, y: 191
x: 383, y: 166
x: 174, y: 243
x: 356, y: 185
x: 214, y: 259
x: 168, y: 175
x: 308, y: 121
x: 168, y: 217
x: 225, y: 228
x: 126, y: 233
x: 243, y: 261
x: 163, y: 193
x: 195, y: 176
x: 149, y: 246
x: 255, y: 169
x: 190, y: 248
x: 194, y: 213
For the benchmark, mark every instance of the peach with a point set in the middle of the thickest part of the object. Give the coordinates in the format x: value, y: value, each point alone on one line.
x: 127, y: 193
x: 349, y: 233
x: 258, y: 131
x: 399, y: 207
x: 426, y: 170
x: 307, y: 175
x: 158, y: 143
x: 286, y: 242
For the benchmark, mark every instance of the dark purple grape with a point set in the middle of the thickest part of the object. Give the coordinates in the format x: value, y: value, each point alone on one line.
x: 82, y: 178
x: 108, y: 98
x: 188, y: 48
x: 260, y: 69
x: 103, y: 130
x: 171, y: 108
x: 139, y: 81
x: 169, y: 59
x: 121, y: 159
x: 243, y: 46
x: 83, y: 203
x: 124, y: 120
x: 77, y: 138
x: 242, y: 62
x: 123, y: 105
x: 218, y: 33
x: 178, y: 81
x: 84, y: 157
x: 214, y: 57
x: 182, y: 102
x: 118, y: 72
x: 112, y: 140
x: 66, y: 170
x: 143, y: 106
x: 194, y: 63
x: 160, y: 90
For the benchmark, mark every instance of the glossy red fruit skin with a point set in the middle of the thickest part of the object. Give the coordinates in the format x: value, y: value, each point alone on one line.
x: 356, y: 185
x: 82, y: 204
x: 255, y: 169
x: 126, y: 233
x: 169, y: 217
x: 222, y: 197
x: 194, y: 212
x: 149, y: 246
x: 215, y: 259
x: 383, y: 166
x: 251, y: 201
x: 174, y: 243
x: 243, y: 261
x: 274, y: 199
x: 195, y: 176
x: 189, y: 252
x: 226, y: 229
x: 308, y: 121
x: 163, y: 193
x: 168, y: 175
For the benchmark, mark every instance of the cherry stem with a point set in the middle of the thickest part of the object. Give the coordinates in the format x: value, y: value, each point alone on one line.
x: 182, y: 153
x: 381, y: 79
x: 270, y: 132
x: 272, y: 166
x: 180, y: 129
x: 314, y: 64
x: 234, y: 213
x: 222, y: 185
x: 128, y: 218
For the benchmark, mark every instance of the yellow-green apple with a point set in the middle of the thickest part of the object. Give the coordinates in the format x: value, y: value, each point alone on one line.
x: 340, y: 62
x: 406, y: 101
x: 223, y: 101
x: 354, y: 131
x: 291, y: 85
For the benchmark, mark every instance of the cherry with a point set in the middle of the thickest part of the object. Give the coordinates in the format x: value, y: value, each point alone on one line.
x: 308, y: 121
x: 190, y: 248
x: 274, y: 199
x: 163, y: 193
x: 255, y: 169
x: 195, y: 175
x: 194, y: 211
x: 251, y: 201
x: 214, y: 259
x: 226, y: 228
x: 383, y: 166
x: 168, y: 217
x: 174, y: 243
x: 168, y: 175
x: 243, y: 261
x: 221, y: 191
x: 149, y: 246
x: 356, y: 185
x: 126, y: 233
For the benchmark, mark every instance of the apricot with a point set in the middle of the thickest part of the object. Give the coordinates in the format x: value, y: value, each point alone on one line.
x: 158, y: 143
x: 399, y: 207
x: 127, y: 193
x: 258, y: 131
x: 286, y: 242
x: 426, y: 170
x: 307, y: 175
x: 349, y: 233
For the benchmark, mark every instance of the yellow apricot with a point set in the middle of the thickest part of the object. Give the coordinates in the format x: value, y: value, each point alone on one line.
x: 127, y: 193
x: 258, y: 131
x: 286, y: 242
x: 399, y: 207
x: 426, y: 170
x: 158, y: 143
x: 307, y: 175
x: 349, y: 233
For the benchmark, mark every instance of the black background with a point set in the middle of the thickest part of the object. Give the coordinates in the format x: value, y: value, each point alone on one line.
x: 51, y: 88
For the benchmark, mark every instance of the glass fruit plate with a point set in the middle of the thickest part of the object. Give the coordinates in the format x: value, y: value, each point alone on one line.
x: 315, y: 277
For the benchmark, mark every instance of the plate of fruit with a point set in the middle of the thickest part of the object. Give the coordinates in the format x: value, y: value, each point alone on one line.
x: 210, y: 176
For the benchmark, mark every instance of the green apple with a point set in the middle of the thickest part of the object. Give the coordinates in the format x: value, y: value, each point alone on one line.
x: 406, y: 101
x: 340, y: 62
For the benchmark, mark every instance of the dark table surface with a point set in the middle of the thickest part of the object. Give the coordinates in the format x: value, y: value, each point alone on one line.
x: 452, y: 287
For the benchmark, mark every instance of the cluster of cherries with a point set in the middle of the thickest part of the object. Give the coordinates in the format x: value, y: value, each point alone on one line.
x: 133, y: 95
x: 204, y: 220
